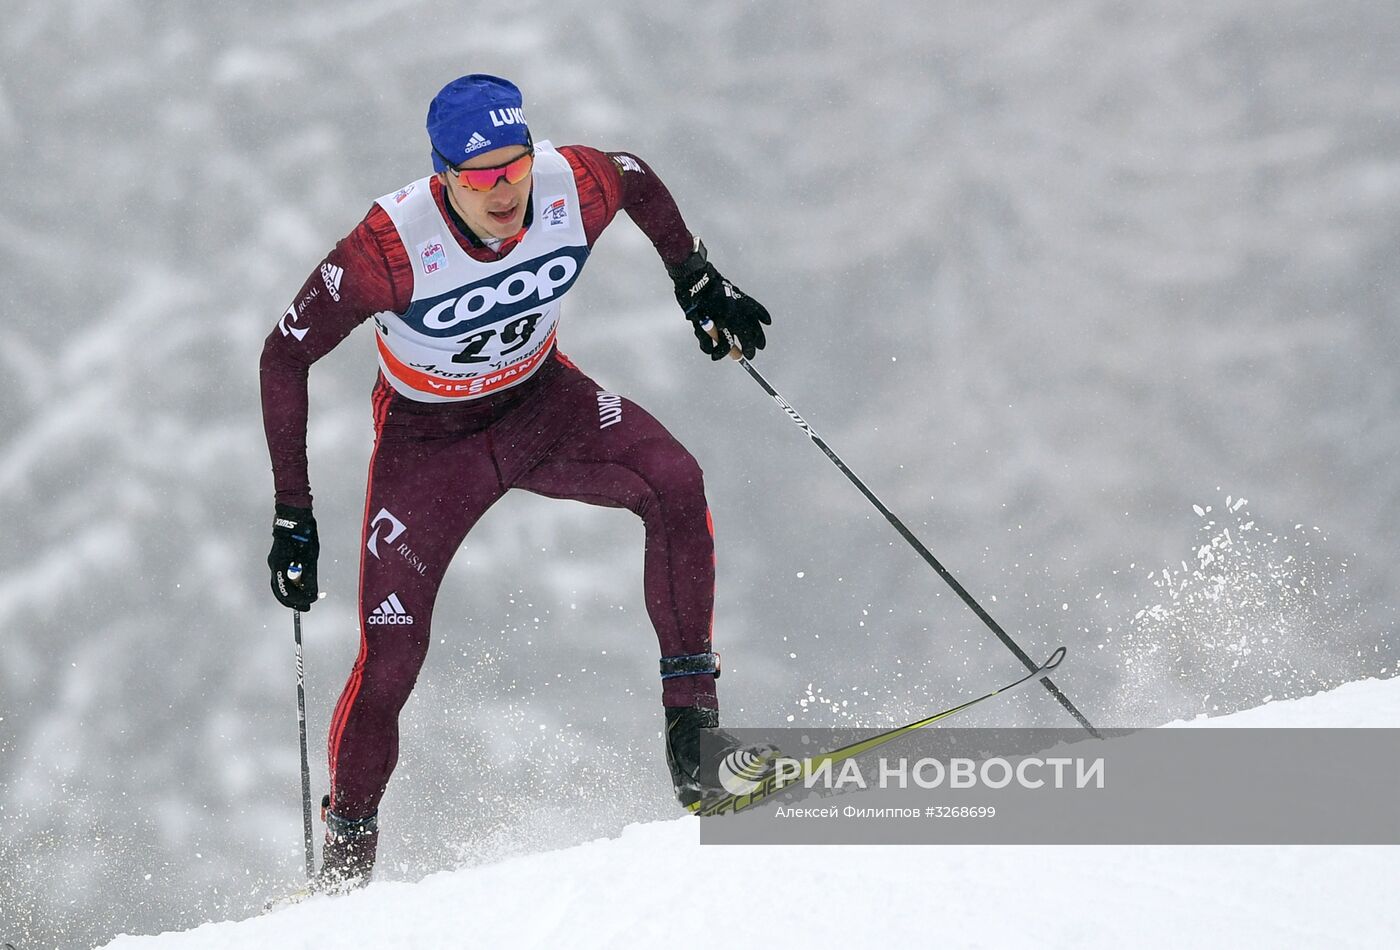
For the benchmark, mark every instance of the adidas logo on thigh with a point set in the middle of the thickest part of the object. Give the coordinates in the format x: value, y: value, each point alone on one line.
x: 390, y: 612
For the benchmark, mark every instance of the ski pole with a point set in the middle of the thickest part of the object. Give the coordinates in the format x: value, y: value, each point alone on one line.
x: 293, y: 574
x: 908, y: 535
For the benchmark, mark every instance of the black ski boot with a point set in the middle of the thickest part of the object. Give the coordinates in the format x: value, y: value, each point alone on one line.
x: 701, y: 770
x: 347, y: 860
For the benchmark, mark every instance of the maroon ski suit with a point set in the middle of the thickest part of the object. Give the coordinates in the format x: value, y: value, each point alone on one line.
x: 437, y: 467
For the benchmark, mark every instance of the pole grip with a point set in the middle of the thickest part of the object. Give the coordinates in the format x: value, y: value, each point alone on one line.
x: 709, y: 327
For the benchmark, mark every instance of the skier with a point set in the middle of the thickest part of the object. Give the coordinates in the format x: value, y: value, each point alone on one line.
x: 463, y: 274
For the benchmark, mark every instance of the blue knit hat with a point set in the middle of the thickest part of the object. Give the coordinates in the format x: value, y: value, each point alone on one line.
x: 474, y: 114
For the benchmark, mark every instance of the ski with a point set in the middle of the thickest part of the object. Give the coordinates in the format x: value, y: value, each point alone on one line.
x: 730, y: 803
x: 289, y: 899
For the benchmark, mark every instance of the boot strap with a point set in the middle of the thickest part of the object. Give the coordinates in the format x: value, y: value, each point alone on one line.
x: 351, y: 827
x: 690, y: 665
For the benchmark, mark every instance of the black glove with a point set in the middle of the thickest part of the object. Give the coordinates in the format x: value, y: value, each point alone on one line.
x: 706, y: 297
x: 696, y: 765
x: 294, y: 541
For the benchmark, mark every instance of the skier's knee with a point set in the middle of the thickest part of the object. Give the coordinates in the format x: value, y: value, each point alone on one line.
x: 675, y: 476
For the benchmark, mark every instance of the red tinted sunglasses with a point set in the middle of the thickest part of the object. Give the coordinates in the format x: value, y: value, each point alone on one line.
x: 484, y: 179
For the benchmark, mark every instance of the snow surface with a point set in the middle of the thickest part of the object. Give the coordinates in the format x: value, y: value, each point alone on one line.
x: 656, y: 886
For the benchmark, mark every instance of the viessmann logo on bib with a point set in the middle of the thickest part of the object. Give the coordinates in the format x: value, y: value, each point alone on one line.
x: 499, y: 296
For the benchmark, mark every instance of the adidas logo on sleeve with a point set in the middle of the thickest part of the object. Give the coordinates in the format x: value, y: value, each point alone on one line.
x: 390, y: 612
x: 330, y: 276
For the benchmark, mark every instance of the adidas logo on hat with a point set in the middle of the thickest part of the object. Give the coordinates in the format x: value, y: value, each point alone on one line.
x: 390, y: 612
x: 476, y: 142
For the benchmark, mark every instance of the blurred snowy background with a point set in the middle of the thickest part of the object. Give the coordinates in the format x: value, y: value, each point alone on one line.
x: 1064, y: 283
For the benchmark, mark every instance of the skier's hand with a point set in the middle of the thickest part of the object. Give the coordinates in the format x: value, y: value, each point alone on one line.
x: 294, y: 542
x: 709, y: 298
